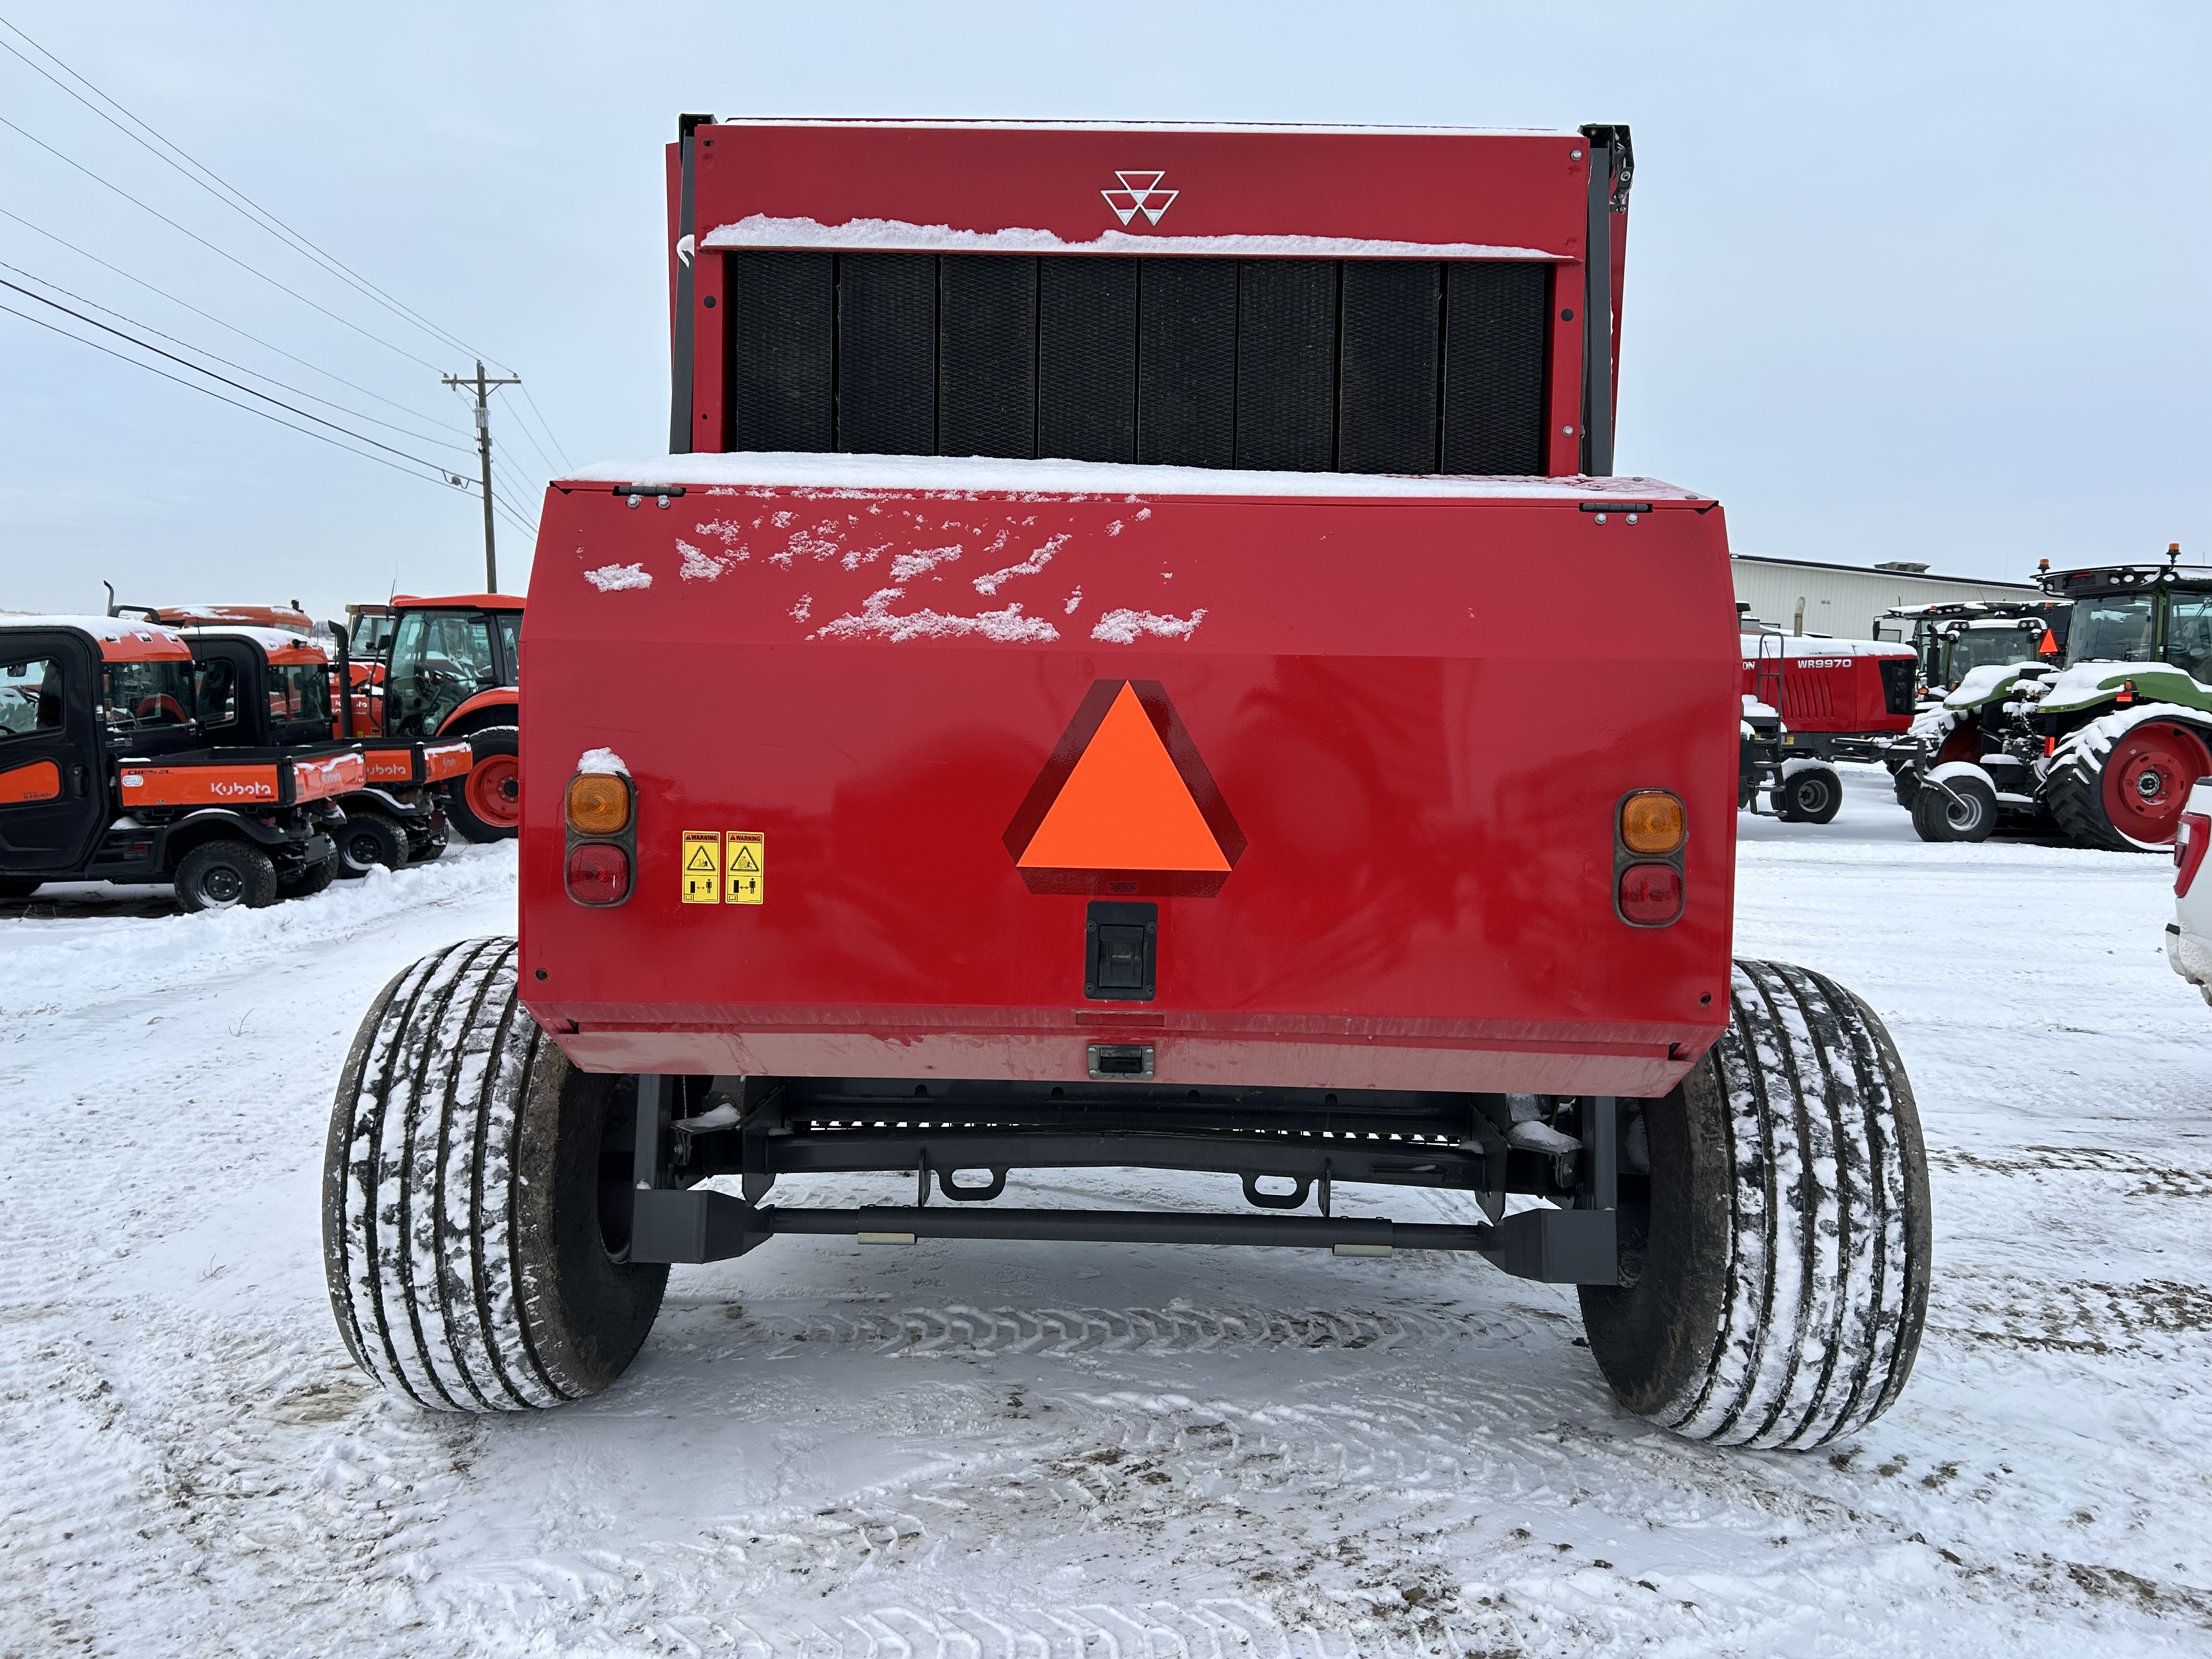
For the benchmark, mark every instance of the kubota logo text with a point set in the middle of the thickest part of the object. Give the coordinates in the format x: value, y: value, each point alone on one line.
x: 1140, y: 193
x: 220, y: 788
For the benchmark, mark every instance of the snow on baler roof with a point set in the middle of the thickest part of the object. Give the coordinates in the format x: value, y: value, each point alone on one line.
x: 759, y: 230
x: 984, y: 123
x: 965, y: 478
x: 120, y: 639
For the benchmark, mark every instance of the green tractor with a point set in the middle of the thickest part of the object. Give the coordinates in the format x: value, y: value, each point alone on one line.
x: 1951, y: 640
x: 2102, y: 748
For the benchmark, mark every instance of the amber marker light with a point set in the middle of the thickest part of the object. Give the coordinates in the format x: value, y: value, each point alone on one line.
x: 1652, y: 823
x: 599, y: 804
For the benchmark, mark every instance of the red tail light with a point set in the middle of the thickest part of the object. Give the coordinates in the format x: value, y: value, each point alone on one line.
x: 599, y: 873
x: 1651, y: 895
x: 2191, y: 842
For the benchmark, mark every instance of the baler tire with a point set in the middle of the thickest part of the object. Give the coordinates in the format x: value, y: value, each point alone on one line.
x: 473, y: 801
x: 220, y: 875
x: 311, y: 881
x: 366, y: 839
x: 1972, y: 815
x: 1774, y: 1289
x: 474, y: 1241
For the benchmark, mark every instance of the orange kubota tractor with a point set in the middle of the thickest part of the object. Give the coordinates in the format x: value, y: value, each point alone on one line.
x: 443, y: 667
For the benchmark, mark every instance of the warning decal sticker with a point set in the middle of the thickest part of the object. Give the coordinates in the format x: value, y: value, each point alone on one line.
x: 701, y: 867
x: 1125, y: 805
x: 747, y: 864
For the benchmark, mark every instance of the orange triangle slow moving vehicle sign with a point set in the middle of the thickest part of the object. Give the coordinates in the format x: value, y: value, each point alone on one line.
x: 1125, y: 805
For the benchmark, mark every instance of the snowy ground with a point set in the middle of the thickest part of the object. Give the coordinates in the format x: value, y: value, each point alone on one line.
x: 1029, y: 1450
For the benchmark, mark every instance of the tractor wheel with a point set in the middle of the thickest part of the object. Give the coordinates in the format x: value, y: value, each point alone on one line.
x: 1772, y: 1292
x: 487, y: 804
x: 312, y: 880
x: 2127, y: 792
x: 477, y: 1199
x: 1969, y: 816
x: 1907, y: 785
x: 1811, y: 794
x: 367, y: 839
x: 219, y: 875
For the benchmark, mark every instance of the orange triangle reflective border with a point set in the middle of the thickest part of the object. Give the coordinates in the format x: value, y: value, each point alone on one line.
x: 1125, y: 805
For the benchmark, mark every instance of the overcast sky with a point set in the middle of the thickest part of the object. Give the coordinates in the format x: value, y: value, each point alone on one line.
x: 1921, y: 282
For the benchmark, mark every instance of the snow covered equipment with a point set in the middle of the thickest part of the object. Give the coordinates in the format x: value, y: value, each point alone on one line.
x: 447, y: 668
x: 918, y: 802
x: 105, y: 774
x: 2106, y: 747
x: 1951, y: 640
x: 1809, y: 701
x: 265, y: 688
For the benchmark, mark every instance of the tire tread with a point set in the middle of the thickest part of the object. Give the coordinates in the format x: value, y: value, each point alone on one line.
x: 1827, y: 1271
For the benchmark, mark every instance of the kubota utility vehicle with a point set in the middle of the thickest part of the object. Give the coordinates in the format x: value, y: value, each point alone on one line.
x: 263, y: 688
x: 449, y: 669
x: 1069, y: 707
x: 1808, y: 702
x: 2105, y: 748
x: 105, y: 775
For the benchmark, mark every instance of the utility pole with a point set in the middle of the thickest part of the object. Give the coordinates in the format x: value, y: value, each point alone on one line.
x: 483, y: 452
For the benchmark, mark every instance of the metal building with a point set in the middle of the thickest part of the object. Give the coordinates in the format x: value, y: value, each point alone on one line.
x: 1843, y: 600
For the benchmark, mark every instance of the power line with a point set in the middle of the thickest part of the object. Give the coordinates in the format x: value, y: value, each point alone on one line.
x: 211, y: 248
x: 230, y: 328
x: 298, y: 392
x: 221, y: 189
x: 520, y: 512
x: 93, y: 322
x: 566, y: 464
x: 460, y: 390
x: 208, y: 391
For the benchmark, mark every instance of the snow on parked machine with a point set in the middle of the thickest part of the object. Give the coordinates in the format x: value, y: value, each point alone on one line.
x: 1954, y: 638
x: 445, y: 668
x: 397, y: 816
x: 929, y: 804
x: 106, y: 775
x: 2104, y: 749
x: 1808, y: 700
x: 260, y: 687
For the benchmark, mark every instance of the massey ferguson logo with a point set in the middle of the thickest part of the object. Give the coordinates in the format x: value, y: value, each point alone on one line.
x: 1140, y: 193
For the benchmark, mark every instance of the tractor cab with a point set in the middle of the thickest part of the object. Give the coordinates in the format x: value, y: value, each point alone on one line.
x: 1952, y: 639
x: 446, y: 655
x: 370, y: 627
x: 450, y: 671
x: 2140, y: 613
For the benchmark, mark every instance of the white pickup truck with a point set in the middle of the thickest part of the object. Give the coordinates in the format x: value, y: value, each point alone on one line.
x: 2189, y: 935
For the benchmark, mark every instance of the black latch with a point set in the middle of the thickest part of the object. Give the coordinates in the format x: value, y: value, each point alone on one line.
x: 1121, y: 948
